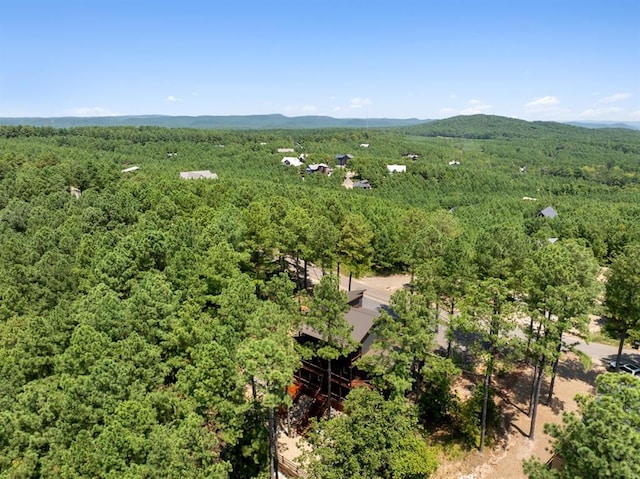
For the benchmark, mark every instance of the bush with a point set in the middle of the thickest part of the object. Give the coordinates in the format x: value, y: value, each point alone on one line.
x: 437, y: 403
x: 467, y: 419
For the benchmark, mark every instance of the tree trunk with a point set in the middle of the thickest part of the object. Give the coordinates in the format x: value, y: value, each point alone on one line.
x: 536, y: 399
x: 350, y: 275
x: 297, y: 272
x: 416, y: 367
x: 450, y: 335
x: 553, y: 371
x: 273, y: 444
x: 530, y: 334
x: 306, y: 273
x: 623, y: 335
x: 533, y: 388
x: 485, y: 402
x: 329, y: 388
x: 253, y: 389
x: 338, y: 271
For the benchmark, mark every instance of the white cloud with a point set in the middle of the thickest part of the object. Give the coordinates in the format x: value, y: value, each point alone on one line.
x: 92, y: 111
x: 300, y: 109
x: 476, y: 107
x: 476, y: 110
x: 615, y: 97
x: 448, y: 111
x: 600, y: 113
x: 356, y: 103
x: 172, y: 99
x: 542, y: 103
x: 453, y: 97
x: 635, y: 115
x: 359, y: 102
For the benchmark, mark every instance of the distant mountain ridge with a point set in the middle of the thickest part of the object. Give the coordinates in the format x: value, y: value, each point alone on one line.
x: 632, y: 125
x: 485, y: 127
x: 278, y: 122
x: 227, y: 122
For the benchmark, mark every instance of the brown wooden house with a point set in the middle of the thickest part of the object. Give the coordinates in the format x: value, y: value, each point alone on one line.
x: 311, y: 379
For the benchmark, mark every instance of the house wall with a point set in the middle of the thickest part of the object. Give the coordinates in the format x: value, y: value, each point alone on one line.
x: 312, y: 376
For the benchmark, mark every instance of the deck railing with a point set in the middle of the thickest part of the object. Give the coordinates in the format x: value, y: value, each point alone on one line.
x: 290, y: 469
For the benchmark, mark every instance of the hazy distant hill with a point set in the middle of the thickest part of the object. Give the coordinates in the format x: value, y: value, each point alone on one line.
x: 631, y: 125
x: 496, y: 127
x: 469, y: 126
x: 236, y: 122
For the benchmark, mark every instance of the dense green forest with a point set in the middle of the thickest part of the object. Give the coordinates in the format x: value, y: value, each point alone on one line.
x: 137, y: 309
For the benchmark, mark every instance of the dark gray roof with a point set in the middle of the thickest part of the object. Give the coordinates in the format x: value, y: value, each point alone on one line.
x: 361, y: 319
x: 548, y: 212
x: 354, y: 297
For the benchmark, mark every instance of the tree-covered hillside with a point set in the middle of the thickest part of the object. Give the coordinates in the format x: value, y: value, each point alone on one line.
x: 227, y: 122
x: 138, y: 309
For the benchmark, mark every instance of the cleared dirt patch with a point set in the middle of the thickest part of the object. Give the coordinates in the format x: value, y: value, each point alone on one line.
x: 504, y: 460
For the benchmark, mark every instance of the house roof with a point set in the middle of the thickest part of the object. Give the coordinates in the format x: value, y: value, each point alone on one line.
x: 130, y: 169
x: 361, y: 320
x: 396, y: 168
x: 548, y: 212
x: 198, y: 175
x: 291, y: 161
x: 342, y: 157
x: 285, y: 150
x: 317, y: 166
x: 354, y: 297
x: 362, y: 184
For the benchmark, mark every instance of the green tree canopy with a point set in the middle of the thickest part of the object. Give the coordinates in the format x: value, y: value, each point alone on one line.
x: 623, y: 293
x: 602, y: 440
x: 373, y: 439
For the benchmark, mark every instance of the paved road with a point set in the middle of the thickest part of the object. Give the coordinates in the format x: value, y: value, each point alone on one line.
x: 602, y: 354
x: 379, y: 290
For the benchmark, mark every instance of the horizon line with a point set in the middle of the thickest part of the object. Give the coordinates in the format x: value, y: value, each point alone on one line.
x: 143, y: 115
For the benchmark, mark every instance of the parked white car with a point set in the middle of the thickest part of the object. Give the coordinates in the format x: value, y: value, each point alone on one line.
x: 626, y: 367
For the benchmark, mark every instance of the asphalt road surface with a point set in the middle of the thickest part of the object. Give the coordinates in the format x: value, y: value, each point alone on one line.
x: 377, y: 295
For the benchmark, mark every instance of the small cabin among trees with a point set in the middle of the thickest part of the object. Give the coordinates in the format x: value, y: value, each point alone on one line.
x: 364, y: 184
x: 319, y: 168
x: 342, y: 160
x: 311, y: 379
x: 548, y: 212
x: 198, y: 175
x: 397, y: 168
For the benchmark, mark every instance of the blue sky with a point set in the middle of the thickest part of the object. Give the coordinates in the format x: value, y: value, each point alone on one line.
x: 531, y: 59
